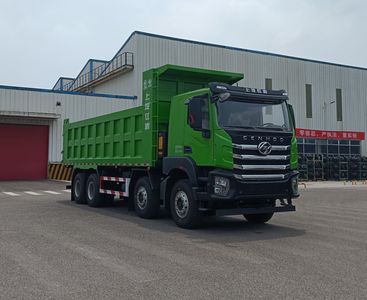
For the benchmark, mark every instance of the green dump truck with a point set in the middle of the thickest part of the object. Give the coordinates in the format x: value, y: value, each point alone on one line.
x: 198, y: 145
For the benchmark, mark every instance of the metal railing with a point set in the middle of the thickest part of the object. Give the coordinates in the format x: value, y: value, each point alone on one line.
x: 102, y: 71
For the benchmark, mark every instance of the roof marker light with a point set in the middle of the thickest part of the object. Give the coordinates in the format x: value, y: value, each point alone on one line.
x: 224, y: 96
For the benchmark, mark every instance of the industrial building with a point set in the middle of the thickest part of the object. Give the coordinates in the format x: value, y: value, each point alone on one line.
x: 330, y: 100
x: 31, y: 123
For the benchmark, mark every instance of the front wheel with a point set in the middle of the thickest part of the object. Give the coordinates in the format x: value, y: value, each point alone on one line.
x: 146, y: 200
x: 258, y: 218
x: 184, y: 208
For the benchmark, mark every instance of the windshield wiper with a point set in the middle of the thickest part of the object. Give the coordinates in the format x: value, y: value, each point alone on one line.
x: 272, y: 128
x: 240, y: 127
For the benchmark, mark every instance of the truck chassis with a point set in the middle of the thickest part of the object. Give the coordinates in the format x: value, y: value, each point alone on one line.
x: 186, y: 202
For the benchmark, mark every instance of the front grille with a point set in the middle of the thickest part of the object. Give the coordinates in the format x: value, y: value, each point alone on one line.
x: 249, y: 164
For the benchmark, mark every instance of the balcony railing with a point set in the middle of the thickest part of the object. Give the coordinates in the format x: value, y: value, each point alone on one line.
x: 119, y: 65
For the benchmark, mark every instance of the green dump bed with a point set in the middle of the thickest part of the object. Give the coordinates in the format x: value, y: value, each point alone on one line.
x: 130, y: 137
x: 116, y: 138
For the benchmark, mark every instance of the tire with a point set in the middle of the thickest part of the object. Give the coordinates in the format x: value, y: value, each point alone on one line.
x: 78, y: 188
x: 258, y: 218
x: 94, y: 198
x: 146, y: 200
x: 184, y: 208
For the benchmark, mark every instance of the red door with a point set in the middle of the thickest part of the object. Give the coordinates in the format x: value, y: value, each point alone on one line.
x: 23, y: 151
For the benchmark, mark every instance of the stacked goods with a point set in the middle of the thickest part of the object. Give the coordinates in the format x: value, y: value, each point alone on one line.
x: 343, y: 168
x: 354, y: 167
x: 364, y: 168
x: 302, y: 167
x: 311, y: 166
x: 318, y: 167
x: 332, y: 167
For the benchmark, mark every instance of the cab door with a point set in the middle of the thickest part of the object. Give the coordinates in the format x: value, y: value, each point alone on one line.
x: 198, y: 135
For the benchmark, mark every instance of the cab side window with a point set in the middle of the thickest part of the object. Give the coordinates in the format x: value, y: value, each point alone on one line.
x: 198, y: 112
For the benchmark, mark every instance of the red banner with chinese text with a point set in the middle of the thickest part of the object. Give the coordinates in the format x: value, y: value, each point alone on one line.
x: 330, y: 134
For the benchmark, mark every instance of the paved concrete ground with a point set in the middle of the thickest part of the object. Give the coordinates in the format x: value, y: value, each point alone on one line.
x: 332, y: 184
x: 51, y: 248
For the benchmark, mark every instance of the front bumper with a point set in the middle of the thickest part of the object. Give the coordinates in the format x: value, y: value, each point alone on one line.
x: 242, y: 190
x: 254, y: 210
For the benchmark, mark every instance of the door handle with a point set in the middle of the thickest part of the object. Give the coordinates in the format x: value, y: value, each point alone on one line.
x: 187, y: 149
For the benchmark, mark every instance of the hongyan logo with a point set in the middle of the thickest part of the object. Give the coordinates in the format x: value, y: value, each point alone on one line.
x: 264, y: 148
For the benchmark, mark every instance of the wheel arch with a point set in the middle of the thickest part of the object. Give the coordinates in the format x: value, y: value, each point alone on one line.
x: 185, y: 164
x: 167, y: 185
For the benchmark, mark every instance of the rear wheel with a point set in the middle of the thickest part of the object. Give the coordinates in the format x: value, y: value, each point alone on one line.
x: 258, y: 218
x: 94, y: 198
x: 78, y: 188
x: 184, y: 209
x: 146, y: 200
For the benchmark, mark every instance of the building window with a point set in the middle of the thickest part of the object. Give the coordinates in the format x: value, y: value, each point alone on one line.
x: 310, y: 146
x: 308, y: 101
x: 339, y: 105
x: 268, y: 86
x: 300, y: 145
x: 355, y: 147
x: 329, y: 147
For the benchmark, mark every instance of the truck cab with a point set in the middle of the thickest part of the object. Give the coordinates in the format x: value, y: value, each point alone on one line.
x: 240, y: 146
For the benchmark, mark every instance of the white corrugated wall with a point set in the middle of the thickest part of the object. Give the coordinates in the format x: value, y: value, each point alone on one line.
x: 286, y: 73
x: 126, y: 84
x: 39, y: 107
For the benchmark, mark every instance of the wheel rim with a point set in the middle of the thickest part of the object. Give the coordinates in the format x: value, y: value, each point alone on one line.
x: 182, y: 204
x: 77, y: 188
x: 142, y: 197
x: 91, y: 190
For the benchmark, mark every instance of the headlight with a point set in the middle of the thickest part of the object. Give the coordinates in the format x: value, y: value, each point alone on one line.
x: 221, y: 186
x: 294, y: 183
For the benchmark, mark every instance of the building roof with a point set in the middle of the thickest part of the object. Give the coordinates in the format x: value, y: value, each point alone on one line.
x: 153, y: 35
x: 21, y: 88
x: 238, y: 49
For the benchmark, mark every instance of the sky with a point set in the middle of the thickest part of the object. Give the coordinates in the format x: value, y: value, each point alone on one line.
x: 41, y: 40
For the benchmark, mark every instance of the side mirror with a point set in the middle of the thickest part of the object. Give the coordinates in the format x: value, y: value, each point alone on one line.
x: 195, y: 115
x: 291, y: 112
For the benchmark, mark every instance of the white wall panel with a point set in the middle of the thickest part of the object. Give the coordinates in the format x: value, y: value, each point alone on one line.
x: 125, y: 84
x: 151, y: 51
x: 75, y: 107
x: 286, y: 73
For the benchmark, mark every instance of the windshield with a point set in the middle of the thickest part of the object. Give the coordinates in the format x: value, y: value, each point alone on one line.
x: 255, y: 115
